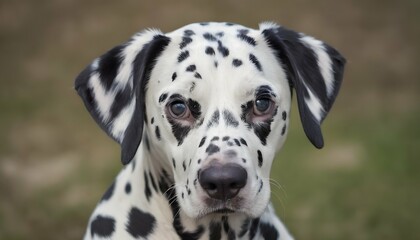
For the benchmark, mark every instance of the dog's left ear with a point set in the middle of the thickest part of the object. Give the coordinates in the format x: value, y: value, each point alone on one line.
x: 113, y: 88
x: 314, y: 69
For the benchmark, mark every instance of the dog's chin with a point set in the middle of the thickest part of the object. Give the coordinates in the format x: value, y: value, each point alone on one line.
x: 224, y: 208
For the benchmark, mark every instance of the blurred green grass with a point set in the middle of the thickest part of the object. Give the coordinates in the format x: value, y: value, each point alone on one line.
x: 55, y: 163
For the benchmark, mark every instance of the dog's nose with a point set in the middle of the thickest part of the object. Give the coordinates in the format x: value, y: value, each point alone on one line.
x: 223, y: 181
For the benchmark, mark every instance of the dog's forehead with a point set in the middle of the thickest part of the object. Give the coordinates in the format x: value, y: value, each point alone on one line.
x: 225, y: 58
x: 210, y: 27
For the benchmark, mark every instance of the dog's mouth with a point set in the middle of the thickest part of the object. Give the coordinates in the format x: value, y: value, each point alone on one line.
x: 217, y: 211
x: 224, y: 208
x: 223, y: 211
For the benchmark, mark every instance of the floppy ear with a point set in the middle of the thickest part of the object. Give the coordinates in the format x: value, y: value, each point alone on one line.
x: 314, y: 69
x: 113, y: 88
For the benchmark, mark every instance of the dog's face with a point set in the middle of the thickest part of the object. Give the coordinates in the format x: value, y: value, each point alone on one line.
x: 215, y: 99
x: 225, y: 103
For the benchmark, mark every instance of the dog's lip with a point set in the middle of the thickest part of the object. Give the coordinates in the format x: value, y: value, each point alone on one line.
x: 224, y: 210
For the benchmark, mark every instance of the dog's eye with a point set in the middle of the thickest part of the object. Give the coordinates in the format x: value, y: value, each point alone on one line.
x: 262, y: 106
x: 178, y: 109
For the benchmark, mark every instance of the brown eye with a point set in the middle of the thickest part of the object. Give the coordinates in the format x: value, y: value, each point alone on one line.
x: 262, y: 106
x: 178, y: 109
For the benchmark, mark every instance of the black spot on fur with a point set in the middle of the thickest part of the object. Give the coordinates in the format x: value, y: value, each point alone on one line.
x: 214, y: 121
x: 229, y: 24
x: 157, y: 132
x: 260, y: 158
x: 147, y: 190
x: 243, y: 160
x: 199, y: 161
x: 246, y: 108
x: 140, y: 224
x: 243, y: 31
x: 191, y: 68
x: 261, y: 186
x: 220, y: 34
x: 214, y: 139
x: 197, y: 75
x: 102, y: 226
x: 209, y: 37
x: 146, y: 141
x: 284, y: 115
x: 185, y: 42
x: 173, y: 76
x: 254, y: 228
x: 283, y: 130
x: 134, y: 163
x: 189, y: 164
x: 188, y: 33
x: 236, y: 62
x: 180, y: 131
x: 268, y: 231
x: 222, y: 49
x: 183, y: 55
x: 164, y: 182
x: 230, y: 119
x: 173, y: 163
x: 215, y: 231
x: 247, y: 39
x: 228, y: 230
x: 195, y: 108
x: 152, y: 180
x: 243, y: 142
x: 255, y: 61
x: 184, y: 166
x: 202, y: 141
x: 163, y: 97
x: 108, y: 194
x: 237, y: 142
x: 216, y: 64
x: 128, y: 188
x: 192, y: 86
x: 211, y: 149
x: 230, y: 144
x: 152, y: 120
x: 204, y: 24
x: 210, y: 51
x: 225, y: 138
x: 230, y: 154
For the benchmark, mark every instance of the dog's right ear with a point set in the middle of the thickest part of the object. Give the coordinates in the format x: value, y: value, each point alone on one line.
x: 113, y: 88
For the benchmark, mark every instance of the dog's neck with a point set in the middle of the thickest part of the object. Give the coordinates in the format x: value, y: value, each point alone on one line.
x: 158, y: 186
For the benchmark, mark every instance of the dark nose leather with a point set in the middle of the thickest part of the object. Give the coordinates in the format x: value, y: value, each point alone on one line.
x: 223, y: 181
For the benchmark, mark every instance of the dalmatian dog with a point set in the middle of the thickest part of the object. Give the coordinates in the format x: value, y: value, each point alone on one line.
x: 200, y: 113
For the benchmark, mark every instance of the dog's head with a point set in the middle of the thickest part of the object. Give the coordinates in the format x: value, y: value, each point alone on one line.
x: 212, y: 101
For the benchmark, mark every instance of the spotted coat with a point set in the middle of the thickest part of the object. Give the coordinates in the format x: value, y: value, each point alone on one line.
x: 200, y: 113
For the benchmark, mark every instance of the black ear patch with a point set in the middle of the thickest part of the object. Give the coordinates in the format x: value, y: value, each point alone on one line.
x: 314, y: 69
x: 99, y: 81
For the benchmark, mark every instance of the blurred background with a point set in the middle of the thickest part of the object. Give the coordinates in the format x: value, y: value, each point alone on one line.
x: 55, y: 162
